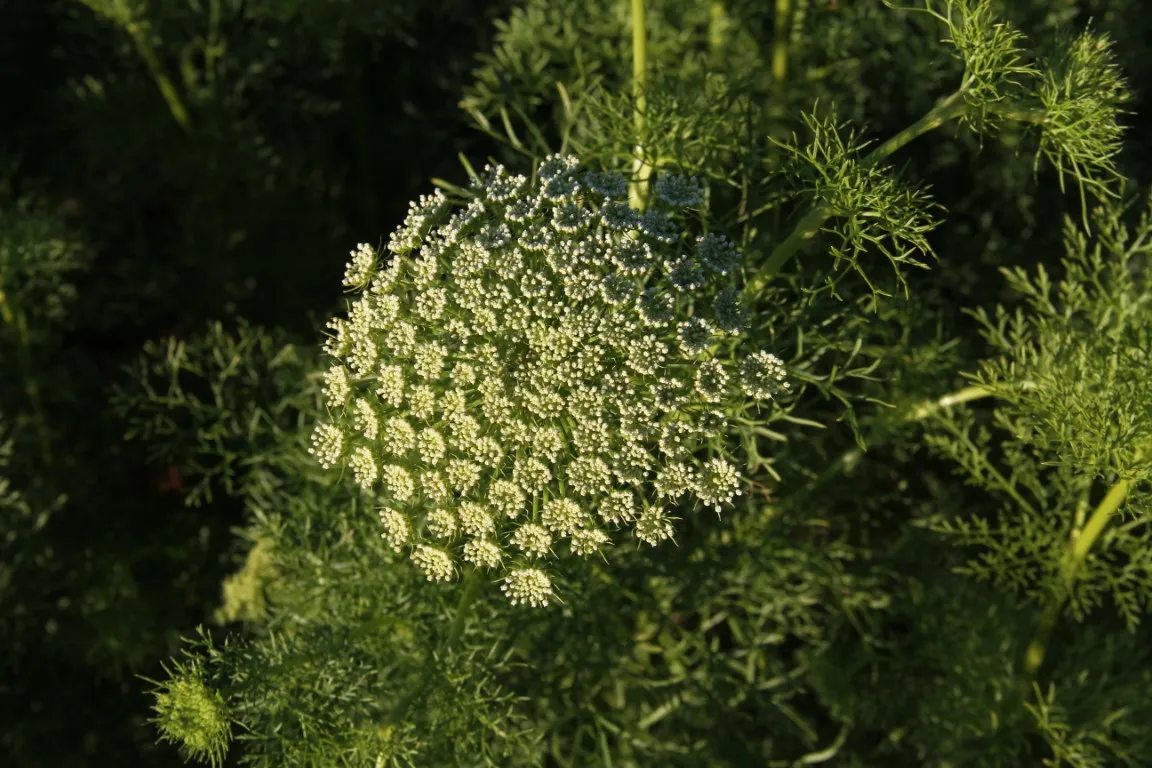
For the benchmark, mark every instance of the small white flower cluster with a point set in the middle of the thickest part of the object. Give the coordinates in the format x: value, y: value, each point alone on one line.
x: 764, y: 375
x: 360, y: 267
x: 679, y: 191
x: 528, y: 372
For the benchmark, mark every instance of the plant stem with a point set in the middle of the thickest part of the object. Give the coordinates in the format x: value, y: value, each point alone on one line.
x: 717, y: 30
x: 989, y: 467
x: 965, y: 395
x: 808, y: 227
x: 471, y: 589
x: 945, y: 110
x: 781, y: 41
x: 472, y: 584
x: 1070, y: 571
x: 850, y: 458
x: 139, y: 34
x: 641, y: 169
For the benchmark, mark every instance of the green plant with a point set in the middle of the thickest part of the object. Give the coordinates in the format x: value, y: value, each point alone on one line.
x: 1072, y: 404
x: 782, y: 287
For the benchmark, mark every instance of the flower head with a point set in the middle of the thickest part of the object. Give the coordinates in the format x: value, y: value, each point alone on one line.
x: 764, y: 376
x: 193, y: 716
x: 540, y: 363
x: 679, y: 191
x: 528, y: 586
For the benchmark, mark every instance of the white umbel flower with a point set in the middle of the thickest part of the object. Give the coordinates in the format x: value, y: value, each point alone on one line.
x: 390, y: 384
x: 617, y: 508
x: 679, y: 191
x: 364, y: 467
x: 562, y: 516
x: 327, y: 444
x: 764, y: 376
x: 430, y: 446
x: 365, y: 419
x: 396, y: 530
x: 653, y: 526
x: 361, y: 266
x: 435, y: 564
x: 475, y: 520
x: 398, y: 483
x: 336, y: 387
x: 527, y: 586
x: 717, y: 483
x: 532, y: 539
x: 441, y: 524
x: 507, y: 497
x: 482, y: 553
x: 537, y: 367
x: 588, y: 541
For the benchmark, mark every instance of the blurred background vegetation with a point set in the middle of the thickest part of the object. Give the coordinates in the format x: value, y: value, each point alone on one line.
x: 170, y: 164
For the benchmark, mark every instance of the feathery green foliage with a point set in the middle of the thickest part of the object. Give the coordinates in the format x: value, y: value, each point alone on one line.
x: 1071, y: 421
x: 208, y: 403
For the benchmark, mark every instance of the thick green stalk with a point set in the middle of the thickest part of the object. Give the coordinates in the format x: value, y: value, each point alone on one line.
x: 1078, y: 549
x: 717, y: 30
x: 960, y: 396
x: 139, y: 34
x: 780, y: 45
x: 473, y: 582
x: 945, y: 110
x: 807, y: 228
x: 1070, y: 571
x: 641, y: 168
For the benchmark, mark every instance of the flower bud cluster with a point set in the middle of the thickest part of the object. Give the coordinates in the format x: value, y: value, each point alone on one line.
x: 523, y: 375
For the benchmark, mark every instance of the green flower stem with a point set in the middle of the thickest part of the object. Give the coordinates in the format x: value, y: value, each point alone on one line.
x: 781, y: 41
x: 641, y: 168
x: 24, y: 361
x: 1070, y: 571
x: 139, y: 34
x: 850, y: 458
x: 1034, y: 116
x: 946, y: 109
x: 1078, y: 550
x: 470, y: 590
x: 807, y: 228
x: 960, y: 396
x: 717, y: 30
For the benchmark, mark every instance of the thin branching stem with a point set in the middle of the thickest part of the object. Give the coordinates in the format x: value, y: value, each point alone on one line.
x: 850, y: 458
x: 1001, y: 480
x: 717, y: 30
x: 946, y: 110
